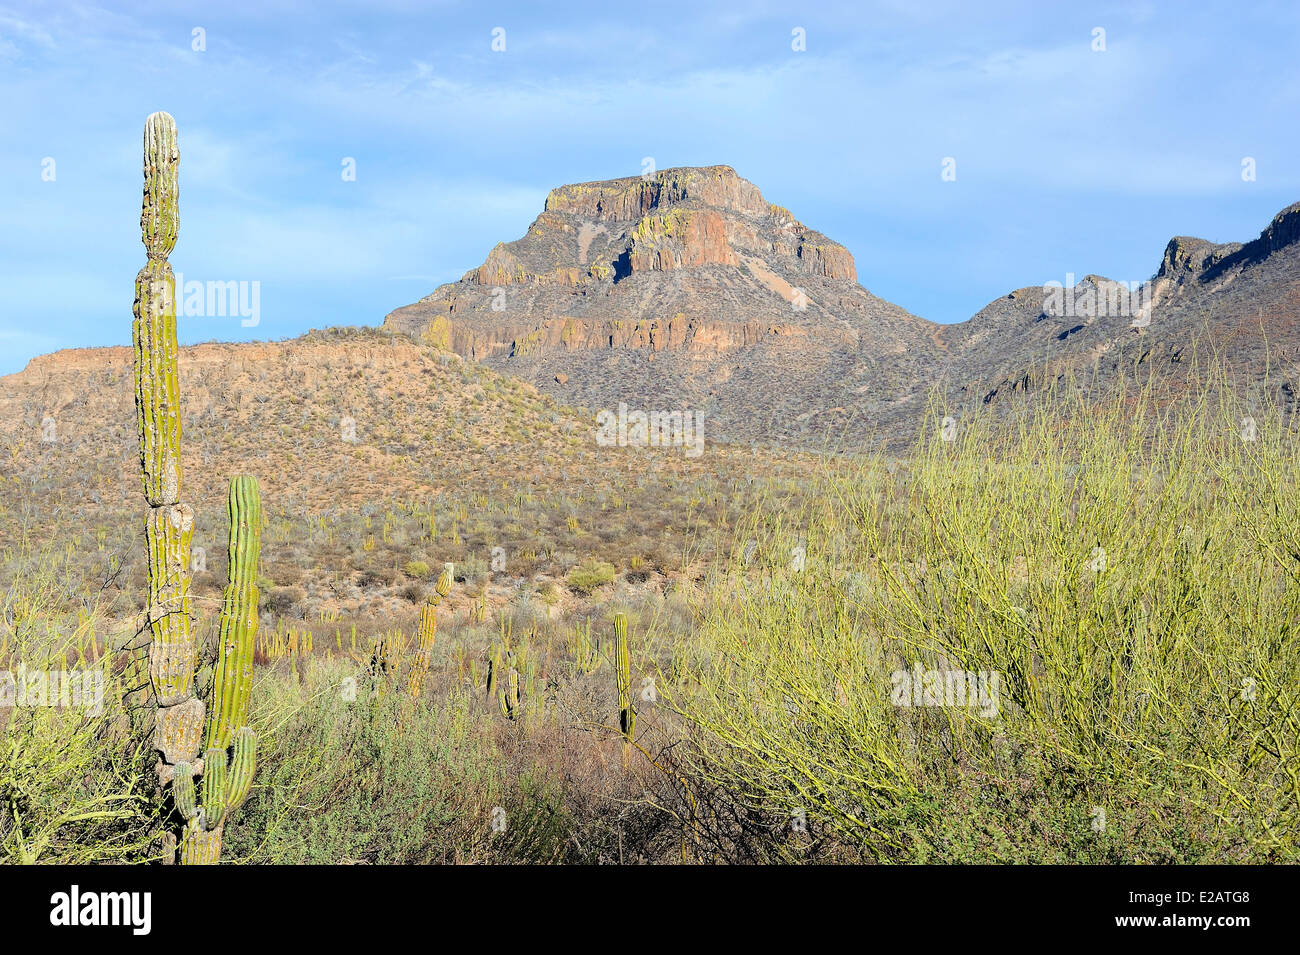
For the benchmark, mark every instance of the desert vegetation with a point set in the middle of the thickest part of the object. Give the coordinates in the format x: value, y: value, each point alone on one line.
x: 1122, y: 575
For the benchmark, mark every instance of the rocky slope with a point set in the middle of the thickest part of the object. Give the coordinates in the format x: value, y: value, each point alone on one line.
x: 1233, y: 305
x: 329, y: 419
x: 687, y: 290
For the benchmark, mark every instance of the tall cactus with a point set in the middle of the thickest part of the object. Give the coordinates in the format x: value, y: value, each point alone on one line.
x: 623, y: 677
x: 510, y: 693
x: 428, y: 631
x: 169, y: 526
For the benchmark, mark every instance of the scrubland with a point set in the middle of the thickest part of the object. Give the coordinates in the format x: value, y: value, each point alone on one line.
x: 1113, y: 583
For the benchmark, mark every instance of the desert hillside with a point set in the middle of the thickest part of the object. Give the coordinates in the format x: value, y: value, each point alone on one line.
x: 379, y: 460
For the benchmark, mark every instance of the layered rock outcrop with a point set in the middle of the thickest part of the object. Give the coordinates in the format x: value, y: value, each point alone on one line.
x: 691, y: 269
x: 688, y: 288
x: 571, y: 281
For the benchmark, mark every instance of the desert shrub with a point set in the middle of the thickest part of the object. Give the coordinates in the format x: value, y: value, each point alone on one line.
x: 281, y: 600
x: 71, y: 776
x: 472, y: 570
x: 590, y: 574
x: 390, y: 779
x: 1118, y: 582
x: 416, y: 568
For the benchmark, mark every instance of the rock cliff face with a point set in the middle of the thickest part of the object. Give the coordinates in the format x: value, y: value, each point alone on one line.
x: 688, y: 290
x: 1235, y: 303
x: 582, y: 276
x: 733, y: 300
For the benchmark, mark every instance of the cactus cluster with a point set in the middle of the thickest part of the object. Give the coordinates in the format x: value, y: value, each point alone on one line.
x: 289, y: 641
x: 169, y: 527
x: 586, y: 649
x: 223, y: 789
x: 512, y: 670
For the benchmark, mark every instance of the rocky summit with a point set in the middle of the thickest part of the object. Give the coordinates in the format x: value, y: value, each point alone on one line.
x: 686, y: 289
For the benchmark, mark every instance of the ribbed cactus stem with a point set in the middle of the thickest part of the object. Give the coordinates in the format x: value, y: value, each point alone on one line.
x: 183, y: 791
x: 623, y: 677
x: 214, y: 787
x: 233, y: 679
x: 428, y: 632
x: 200, y: 846
x: 157, y: 390
x: 510, y: 696
x: 169, y: 524
x: 239, y: 779
x: 429, y: 623
x: 159, y: 217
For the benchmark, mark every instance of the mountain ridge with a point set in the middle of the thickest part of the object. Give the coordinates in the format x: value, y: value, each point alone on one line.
x: 688, y: 288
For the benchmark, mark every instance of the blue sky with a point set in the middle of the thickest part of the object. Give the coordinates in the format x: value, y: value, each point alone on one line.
x: 1067, y: 159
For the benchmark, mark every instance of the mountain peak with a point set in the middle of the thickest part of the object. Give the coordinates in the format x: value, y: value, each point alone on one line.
x: 689, y: 268
x: 630, y: 198
x: 593, y: 236
x: 1191, y: 259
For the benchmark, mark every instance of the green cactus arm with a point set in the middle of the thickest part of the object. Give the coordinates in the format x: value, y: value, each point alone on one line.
x: 214, y: 787
x: 623, y: 676
x: 233, y: 677
x: 183, y: 791
x: 428, y: 624
x: 243, y: 763
x: 512, y: 692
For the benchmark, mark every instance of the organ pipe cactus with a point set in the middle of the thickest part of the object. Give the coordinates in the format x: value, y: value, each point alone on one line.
x: 493, y: 673
x: 169, y: 527
x: 623, y: 677
x: 169, y: 524
x: 223, y: 789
